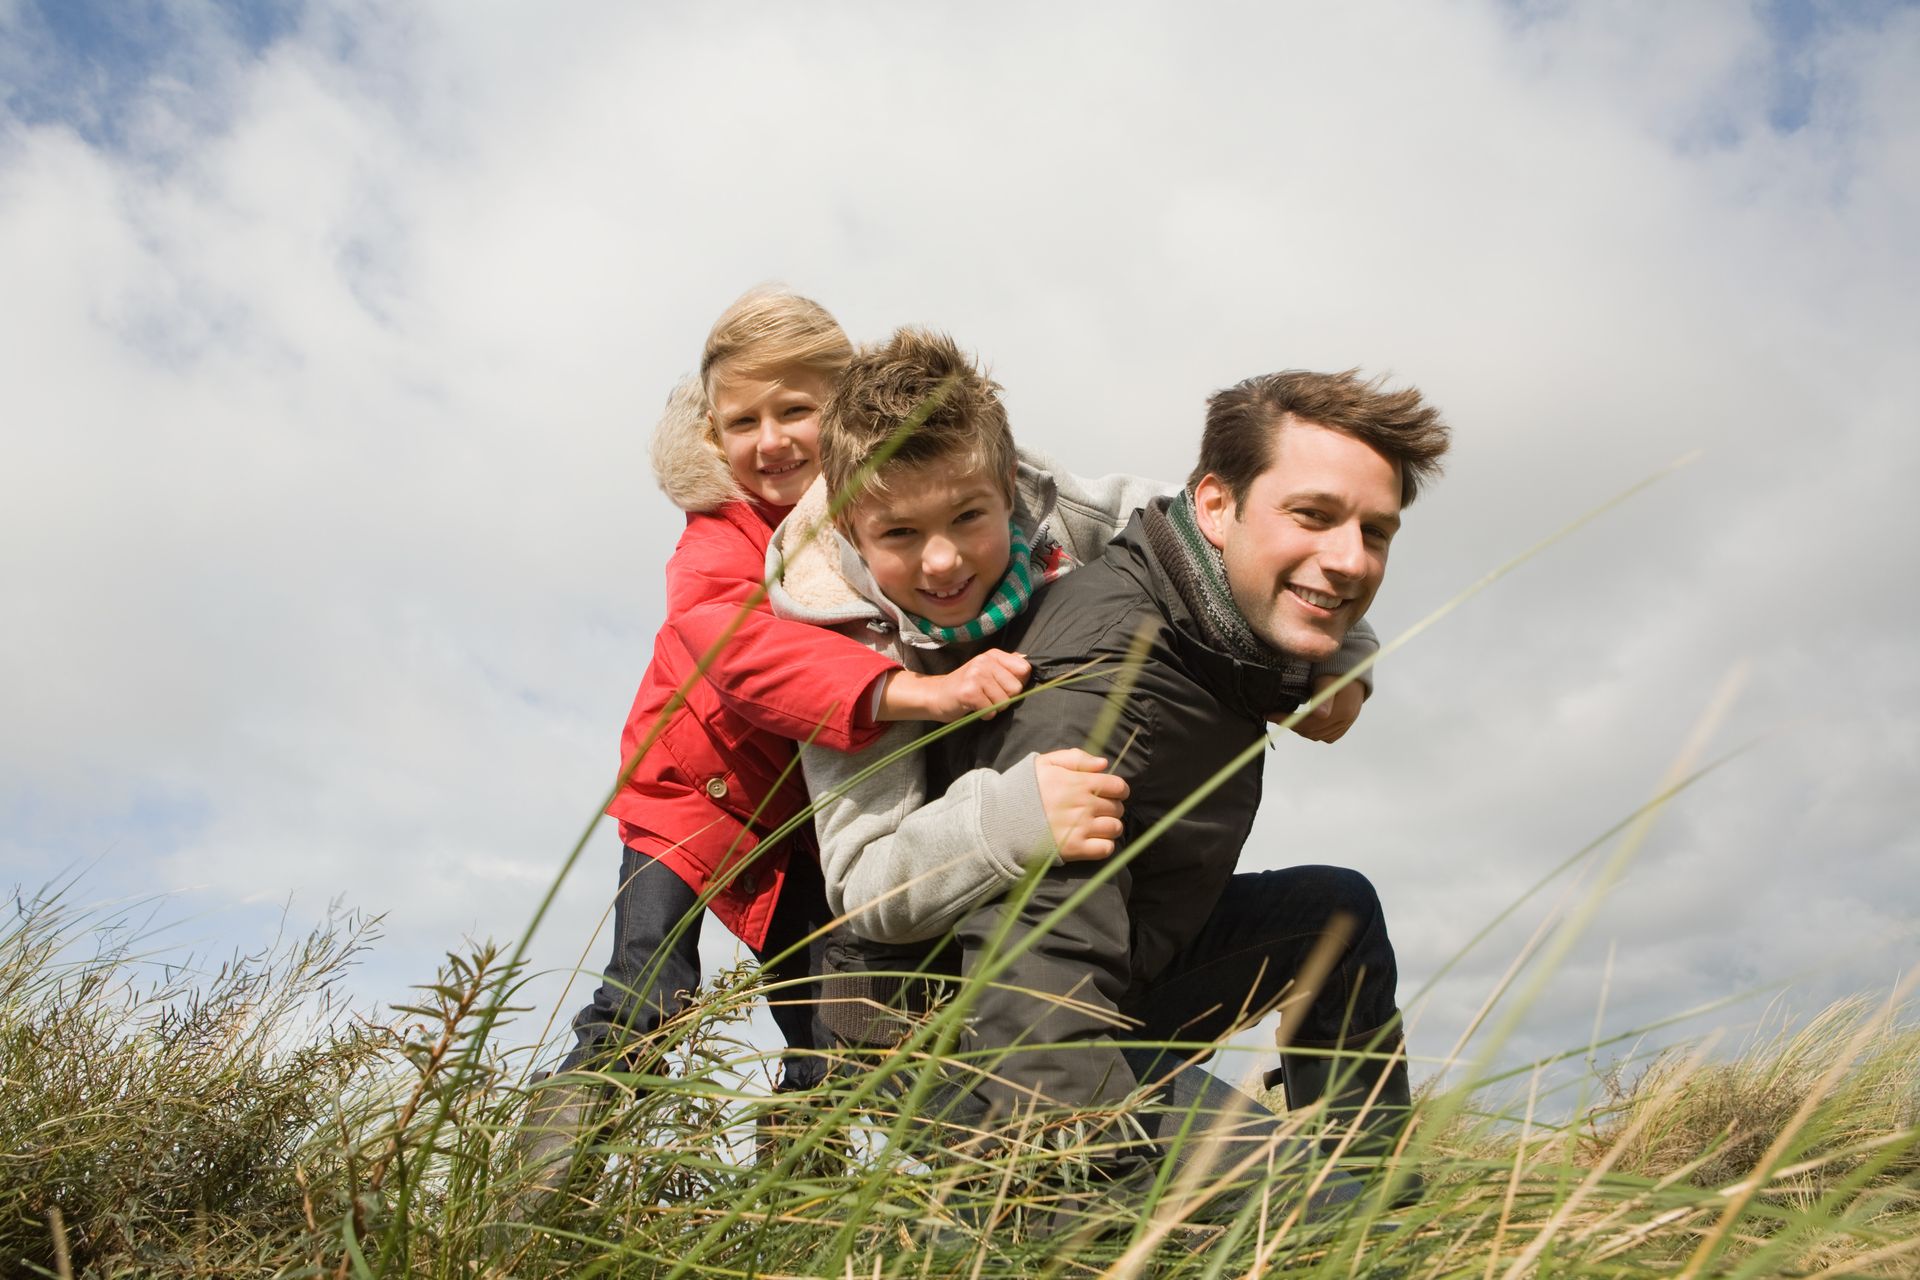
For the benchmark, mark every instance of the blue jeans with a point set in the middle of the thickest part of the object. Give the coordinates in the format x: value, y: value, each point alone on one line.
x: 648, y: 980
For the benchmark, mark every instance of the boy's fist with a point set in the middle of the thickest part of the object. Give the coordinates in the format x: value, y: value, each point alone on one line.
x: 1083, y: 802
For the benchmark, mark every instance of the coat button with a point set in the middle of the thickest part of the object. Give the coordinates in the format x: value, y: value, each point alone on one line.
x: 717, y: 788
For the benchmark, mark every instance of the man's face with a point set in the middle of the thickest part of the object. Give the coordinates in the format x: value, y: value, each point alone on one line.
x: 936, y: 541
x: 769, y: 428
x: 1308, y: 548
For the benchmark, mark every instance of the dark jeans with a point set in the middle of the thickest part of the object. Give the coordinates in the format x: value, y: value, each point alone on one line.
x: 647, y: 981
x: 1049, y: 1023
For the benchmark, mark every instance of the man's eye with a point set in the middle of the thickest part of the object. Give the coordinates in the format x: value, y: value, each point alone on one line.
x: 1376, y: 535
x: 1313, y: 514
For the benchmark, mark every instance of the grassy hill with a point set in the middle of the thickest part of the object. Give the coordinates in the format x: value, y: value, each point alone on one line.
x: 170, y: 1121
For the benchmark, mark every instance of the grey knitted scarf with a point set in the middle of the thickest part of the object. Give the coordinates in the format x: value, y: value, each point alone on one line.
x: 1199, y: 574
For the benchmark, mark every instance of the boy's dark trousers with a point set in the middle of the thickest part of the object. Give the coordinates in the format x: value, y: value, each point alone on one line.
x: 647, y: 981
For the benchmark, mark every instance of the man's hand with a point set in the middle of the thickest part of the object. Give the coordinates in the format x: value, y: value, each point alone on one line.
x: 1083, y: 803
x: 1332, y: 718
x: 985, y: 680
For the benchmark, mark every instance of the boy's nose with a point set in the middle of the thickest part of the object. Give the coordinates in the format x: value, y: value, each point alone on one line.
x: 938, y: 557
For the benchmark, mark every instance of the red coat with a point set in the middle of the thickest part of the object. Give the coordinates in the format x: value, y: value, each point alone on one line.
x: 692, y: 800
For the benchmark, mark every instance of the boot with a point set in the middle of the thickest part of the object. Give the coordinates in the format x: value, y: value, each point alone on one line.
x: 565, y: 1115
x: 1368, y: 1106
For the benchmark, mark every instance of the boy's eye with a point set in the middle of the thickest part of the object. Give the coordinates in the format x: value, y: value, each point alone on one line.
x: 897, y: 533
x: 966, y: 516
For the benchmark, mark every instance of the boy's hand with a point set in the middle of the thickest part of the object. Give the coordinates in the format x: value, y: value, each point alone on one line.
x: 989, y: 678
x: 1335, y: 716
x: 1083, y: 803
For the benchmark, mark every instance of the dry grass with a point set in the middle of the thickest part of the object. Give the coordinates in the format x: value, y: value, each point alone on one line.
x: 177, y: 1122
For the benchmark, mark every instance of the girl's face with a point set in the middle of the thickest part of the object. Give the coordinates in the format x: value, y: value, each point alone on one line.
x: 770, y: 431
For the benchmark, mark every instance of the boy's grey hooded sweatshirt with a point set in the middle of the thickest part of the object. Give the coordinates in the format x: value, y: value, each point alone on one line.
x: 902, y: 867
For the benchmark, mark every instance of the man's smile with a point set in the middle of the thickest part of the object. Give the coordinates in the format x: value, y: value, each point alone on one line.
x: 1318, y: 599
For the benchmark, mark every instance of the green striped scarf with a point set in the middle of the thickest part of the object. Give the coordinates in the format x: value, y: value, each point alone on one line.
x: 1199, y: 575
x: 1003, y: 606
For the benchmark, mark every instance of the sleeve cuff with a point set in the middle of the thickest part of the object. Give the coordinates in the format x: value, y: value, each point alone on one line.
x: 1014, y: 821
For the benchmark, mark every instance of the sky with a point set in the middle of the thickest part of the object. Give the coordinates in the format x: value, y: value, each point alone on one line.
x: 332, y: 334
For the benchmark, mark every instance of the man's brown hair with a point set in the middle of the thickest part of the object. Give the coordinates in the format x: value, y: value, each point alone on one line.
x: 1244, y: 420
x: 914, y: 370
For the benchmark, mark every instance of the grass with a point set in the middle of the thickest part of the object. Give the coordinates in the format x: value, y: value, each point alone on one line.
x: 169, y: 1121
x: 159, y: 1119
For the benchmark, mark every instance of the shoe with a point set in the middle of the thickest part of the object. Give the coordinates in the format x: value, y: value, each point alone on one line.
x: 1368, y: 1106
x: 561, y: 1122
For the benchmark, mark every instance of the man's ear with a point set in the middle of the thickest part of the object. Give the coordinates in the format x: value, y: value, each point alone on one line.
x: 1213, y: 503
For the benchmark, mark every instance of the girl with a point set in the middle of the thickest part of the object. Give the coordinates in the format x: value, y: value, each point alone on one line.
x: 735, y: 449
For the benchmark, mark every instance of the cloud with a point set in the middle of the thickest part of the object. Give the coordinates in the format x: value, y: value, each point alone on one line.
x: 331, y: 346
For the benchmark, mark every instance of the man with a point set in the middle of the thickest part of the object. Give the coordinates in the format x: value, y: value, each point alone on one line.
x: 1234, y: 587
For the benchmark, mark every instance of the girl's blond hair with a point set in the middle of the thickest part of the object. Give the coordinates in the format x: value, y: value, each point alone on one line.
x: 765, y: 332
x: 772, y: 328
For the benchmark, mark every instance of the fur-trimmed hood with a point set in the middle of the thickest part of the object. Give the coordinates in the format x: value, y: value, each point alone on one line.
x: 688, y: 465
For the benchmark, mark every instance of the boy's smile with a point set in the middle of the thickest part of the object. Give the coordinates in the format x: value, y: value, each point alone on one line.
x: 769, y: 429
x: 937, y: 541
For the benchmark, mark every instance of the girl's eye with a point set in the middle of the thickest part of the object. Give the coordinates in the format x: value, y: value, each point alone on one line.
x: 799, y: 410
x: 898, y: 533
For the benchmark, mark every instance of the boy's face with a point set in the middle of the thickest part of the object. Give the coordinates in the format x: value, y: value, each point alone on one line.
x: 937, y: 541
x: 770, y: 431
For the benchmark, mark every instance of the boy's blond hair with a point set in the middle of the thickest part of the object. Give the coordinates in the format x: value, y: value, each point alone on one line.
x: 770, y: 329
x: 886, y: 383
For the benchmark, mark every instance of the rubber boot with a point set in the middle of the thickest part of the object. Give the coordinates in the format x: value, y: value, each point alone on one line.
x: 1368, y: 1106
x: 562, y: 1120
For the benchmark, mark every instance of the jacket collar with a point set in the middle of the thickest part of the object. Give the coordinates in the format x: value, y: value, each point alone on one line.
x: 1254, y: 690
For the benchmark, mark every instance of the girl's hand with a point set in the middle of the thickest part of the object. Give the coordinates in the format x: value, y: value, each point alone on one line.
x: 1084, y: 804
x: 985, y: 681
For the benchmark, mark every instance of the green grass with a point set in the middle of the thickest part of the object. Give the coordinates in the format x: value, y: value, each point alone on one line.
x: 175, y: 1122
x: 158, y: 1119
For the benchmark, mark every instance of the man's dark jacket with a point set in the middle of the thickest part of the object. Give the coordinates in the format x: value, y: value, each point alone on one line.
x: 1191, y: 710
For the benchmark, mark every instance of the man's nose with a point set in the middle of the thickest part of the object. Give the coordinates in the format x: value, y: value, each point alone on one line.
x: 1343, y: 551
